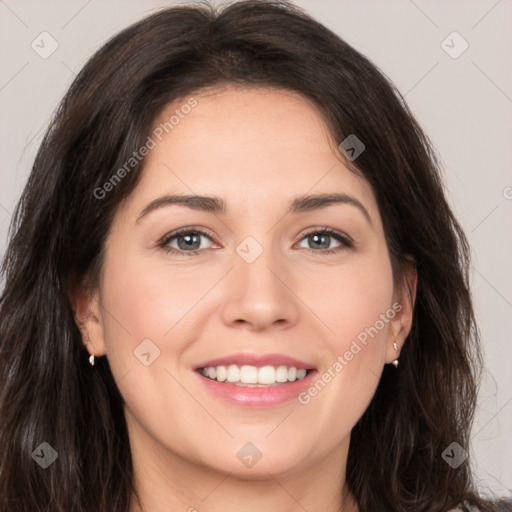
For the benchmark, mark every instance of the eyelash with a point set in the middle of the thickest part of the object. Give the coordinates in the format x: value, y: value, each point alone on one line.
x: 346, y: 242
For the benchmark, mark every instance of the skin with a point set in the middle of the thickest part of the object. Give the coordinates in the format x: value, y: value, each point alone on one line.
x: 257, y: 149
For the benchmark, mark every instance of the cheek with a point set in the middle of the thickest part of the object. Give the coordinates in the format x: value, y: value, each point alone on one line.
x: 357, y: 308
x: 351, y: 299
x: 144, y: 300
x: 149, y: 310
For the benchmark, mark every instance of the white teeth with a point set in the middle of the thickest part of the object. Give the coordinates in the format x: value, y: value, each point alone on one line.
x: 249, y: 375
x: 252, y: 375
x: 267, y: 375
x: 233, y: 373
x: 221, y: 373
x: 282, y: 374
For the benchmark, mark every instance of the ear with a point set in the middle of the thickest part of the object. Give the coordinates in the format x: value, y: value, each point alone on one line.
x: 403, y: 305
x: 89, y: 319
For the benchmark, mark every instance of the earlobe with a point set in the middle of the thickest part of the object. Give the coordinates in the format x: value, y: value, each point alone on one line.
x: 395, y: 361
x: 402, y: 323
x: 88, y: 318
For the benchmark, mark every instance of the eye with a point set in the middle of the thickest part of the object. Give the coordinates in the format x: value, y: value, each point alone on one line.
x: 320, y: 240
x: 184, y: 241
x: 188, y: 241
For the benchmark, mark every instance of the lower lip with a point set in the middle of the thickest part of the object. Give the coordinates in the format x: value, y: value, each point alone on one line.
x: 267, y: 396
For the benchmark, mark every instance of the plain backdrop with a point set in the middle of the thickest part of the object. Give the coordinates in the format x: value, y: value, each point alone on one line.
x: 463, y: 100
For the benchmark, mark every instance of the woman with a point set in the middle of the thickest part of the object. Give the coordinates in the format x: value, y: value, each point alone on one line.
x: 234, y: 282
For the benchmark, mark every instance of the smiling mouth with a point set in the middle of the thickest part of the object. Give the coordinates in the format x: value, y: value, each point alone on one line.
x: 253, y: 376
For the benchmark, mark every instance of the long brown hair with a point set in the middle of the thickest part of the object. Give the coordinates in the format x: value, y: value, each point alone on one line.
x: 48, y: 391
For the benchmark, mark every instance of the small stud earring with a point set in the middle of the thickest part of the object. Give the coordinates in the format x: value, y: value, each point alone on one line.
x: 91, y: 360
x: 395, y: 362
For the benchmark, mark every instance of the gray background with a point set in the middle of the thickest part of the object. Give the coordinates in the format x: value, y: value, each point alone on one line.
x: 464, y: 104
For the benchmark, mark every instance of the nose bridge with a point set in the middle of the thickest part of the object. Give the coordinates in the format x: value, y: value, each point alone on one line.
x: 257, y: 294
x: 256, y: 264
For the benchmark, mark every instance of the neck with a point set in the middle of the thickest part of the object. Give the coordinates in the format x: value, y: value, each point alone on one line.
x: 229, y: 494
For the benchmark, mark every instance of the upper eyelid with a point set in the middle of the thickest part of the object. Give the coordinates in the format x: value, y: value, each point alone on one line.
x: 185, y: 230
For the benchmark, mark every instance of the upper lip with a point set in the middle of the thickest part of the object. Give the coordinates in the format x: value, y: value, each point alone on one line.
x: 258, y: 360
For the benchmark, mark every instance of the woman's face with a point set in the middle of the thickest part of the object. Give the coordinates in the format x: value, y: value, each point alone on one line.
x: 251, y: 289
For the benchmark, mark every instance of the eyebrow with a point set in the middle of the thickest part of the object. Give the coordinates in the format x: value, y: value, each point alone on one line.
x: 216, y: 205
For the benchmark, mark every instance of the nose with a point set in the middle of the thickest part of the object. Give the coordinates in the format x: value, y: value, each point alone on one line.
x: 260, y: 294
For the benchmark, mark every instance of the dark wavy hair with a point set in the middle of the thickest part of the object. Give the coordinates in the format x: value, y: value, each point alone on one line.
x: 48, y: 390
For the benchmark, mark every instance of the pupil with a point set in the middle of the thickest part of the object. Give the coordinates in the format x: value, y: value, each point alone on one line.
x: 318, y: 238
x: 189, y: 241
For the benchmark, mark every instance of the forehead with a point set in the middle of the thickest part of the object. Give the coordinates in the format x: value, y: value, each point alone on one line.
x: 249, y: 145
